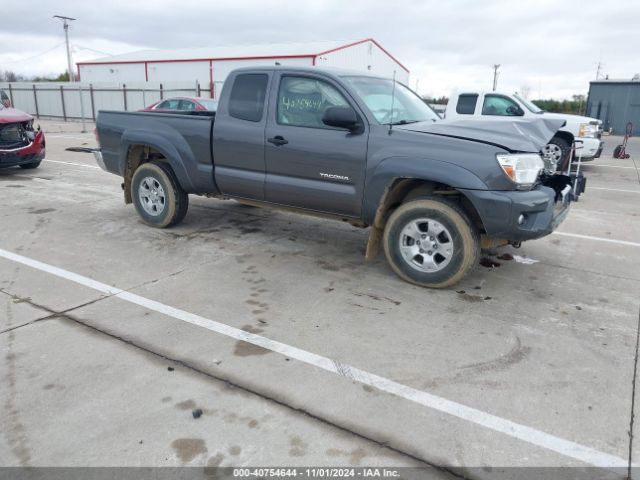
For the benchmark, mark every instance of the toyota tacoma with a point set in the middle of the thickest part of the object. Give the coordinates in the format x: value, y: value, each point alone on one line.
x: 355, y: 147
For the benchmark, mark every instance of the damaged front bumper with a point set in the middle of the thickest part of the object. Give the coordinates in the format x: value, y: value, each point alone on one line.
x: 33, y: 152
x: 516, y: 216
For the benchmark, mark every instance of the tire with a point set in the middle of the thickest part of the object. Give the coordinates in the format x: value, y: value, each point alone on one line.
x: 29, y: 166
x: 454, y: 252
x: 617, y: 151
x: 556, y: 151
x: 157, y: 195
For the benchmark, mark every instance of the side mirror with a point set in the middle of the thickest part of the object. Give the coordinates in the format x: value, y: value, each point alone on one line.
x: 341, y: 117
x: 515, y: 111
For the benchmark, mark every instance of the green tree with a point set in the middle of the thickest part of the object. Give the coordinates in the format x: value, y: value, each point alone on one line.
x: 575, y: 106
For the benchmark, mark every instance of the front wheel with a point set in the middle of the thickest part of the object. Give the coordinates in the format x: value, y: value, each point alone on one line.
x: 29, y: 166
x: 555, y: 152
x: 431, y: 242
x: 157, y: 195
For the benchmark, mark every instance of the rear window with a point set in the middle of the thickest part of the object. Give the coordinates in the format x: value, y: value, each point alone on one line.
x: 247, y: 96
x: 467, y: 103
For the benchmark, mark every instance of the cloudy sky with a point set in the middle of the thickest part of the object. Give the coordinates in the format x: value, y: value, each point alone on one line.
x: 549, y: 47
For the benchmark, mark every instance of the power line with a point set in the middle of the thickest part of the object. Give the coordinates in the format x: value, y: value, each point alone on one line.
x: 92, y: 49
x: 34, y: 56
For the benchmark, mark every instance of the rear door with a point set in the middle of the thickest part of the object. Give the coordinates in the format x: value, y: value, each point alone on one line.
x: 308, y: 164
x: 238, y: 136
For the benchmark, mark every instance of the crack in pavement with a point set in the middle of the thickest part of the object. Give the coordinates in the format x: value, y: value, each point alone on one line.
x: 57, y: 313
x: 633, y: 399
x: 51, y: 314
x: 65, y: 315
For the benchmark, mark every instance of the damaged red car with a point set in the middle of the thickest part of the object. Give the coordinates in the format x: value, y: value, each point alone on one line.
x: 21, y: 144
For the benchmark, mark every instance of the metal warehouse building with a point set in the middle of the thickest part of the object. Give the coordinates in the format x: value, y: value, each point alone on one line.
x: 615, y: 102
x: 210, y: 66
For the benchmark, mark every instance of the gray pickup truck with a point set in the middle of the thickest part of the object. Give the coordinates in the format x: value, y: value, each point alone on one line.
x: 355, y: 147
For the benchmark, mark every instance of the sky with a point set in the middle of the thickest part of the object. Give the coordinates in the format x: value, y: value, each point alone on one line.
x: 545, y: 48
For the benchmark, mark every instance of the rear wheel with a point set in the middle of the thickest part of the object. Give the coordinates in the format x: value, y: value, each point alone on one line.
x: 157, y: 195
x: 431, y: 242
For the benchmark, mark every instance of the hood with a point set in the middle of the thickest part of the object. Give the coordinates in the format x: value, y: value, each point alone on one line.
x: 519, y: 135
x: 570, y: 117
x: 12, y: 115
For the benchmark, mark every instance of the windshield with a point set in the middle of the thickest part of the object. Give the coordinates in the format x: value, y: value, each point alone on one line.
x: 378, y: 95
x: 211, y: 105
x: 532, y: 107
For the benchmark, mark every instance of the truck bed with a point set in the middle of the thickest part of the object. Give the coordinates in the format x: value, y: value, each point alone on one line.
x: 186, y: 139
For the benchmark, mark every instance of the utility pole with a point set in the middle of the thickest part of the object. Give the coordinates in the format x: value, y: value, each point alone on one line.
x: 65, y: 25
x: 600, y: 65
x: 495, y: 76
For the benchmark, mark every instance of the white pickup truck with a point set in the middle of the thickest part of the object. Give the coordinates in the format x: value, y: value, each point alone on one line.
x: 467, y: 104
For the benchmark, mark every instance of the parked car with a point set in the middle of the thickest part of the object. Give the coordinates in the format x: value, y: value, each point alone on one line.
x: 4, y: 99
x: 192, y: 105
x: 21, y: 144
x: 351, y: 146
x: 503, y: 106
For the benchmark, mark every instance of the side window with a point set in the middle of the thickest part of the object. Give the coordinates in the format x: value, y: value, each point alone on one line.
x: 171, y: 104
x: 499, y: 105
x: 302, y: 101
x: 467, y: 103
x: 187, y: 105
x: 248, y: 93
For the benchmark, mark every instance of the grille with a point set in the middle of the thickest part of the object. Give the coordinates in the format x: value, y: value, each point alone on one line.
x: 13, y: 135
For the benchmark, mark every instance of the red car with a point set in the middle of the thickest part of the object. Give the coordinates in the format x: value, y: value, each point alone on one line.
x: 20, y: 143
x: 192, y: 105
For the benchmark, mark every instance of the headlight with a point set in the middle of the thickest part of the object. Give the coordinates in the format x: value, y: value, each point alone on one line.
x: 522, y: 168
x: 587, y: 130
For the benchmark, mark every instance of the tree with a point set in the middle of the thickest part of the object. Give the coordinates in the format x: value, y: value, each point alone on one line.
x: 9, y: 76
x: 63, y: 77
x: 576, y: 105
x: 438, y: 101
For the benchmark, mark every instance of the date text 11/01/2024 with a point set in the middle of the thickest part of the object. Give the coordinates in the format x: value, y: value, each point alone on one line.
x: 316, y: 472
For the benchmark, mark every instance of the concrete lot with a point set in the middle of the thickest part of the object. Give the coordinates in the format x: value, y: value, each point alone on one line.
x: 522, y: 364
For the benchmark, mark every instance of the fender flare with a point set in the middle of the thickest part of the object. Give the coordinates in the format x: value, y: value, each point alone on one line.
x: 393, y: 169
x: 173, y: 147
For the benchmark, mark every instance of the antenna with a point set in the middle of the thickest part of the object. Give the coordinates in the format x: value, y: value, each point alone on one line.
x: 393, y: 98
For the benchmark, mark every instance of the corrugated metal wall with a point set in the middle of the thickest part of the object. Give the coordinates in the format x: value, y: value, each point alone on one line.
x: 615, y: 103
x: 222, y: 68
x: 367, y: 57
x: 115, y: 72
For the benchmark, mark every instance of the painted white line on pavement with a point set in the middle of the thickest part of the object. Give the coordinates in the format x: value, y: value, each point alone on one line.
x: 527, y: 434
x: 613, y: 189
x: 598, y: 239
x: 54, y: 135
x: 610, y: 166
x: 71, y: 163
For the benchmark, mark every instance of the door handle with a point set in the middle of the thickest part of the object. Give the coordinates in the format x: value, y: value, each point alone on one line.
x: 278, y: 140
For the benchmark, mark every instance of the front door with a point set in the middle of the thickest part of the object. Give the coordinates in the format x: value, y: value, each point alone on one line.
x: 308, y: 164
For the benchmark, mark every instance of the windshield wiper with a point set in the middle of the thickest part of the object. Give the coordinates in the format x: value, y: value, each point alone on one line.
x: 402, y: 122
